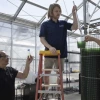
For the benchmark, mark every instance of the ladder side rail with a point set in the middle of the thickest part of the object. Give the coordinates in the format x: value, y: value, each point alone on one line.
x: 37, y: 84
x: 40, y: 78
x: 61, y: 79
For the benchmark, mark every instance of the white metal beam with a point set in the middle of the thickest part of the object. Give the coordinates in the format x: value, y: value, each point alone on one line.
x: 7, y: 18
x: 94, y: 3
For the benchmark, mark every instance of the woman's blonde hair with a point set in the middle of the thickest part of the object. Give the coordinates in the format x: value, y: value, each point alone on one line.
x: 51, y: 8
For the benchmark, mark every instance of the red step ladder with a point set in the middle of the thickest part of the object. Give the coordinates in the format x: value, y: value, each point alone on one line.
x: 40, y: 85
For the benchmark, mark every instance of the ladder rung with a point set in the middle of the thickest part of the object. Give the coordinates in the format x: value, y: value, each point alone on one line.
x: 49, y: 75
x: 47, y: 91
x: 48, y: 53
x: 50, y: 69
x: 55, y: 85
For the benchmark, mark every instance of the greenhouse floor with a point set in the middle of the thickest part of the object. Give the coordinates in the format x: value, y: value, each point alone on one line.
x: 73, y: 96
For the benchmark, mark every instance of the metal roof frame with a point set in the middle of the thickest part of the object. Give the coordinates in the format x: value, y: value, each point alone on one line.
x: 9, y: 19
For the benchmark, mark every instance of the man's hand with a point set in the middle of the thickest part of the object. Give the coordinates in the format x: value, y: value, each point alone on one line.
x: 74, y: 10
x: 29, y: 59
x: 24, y: 74
x: 75, y: 18
x: 52, y: 50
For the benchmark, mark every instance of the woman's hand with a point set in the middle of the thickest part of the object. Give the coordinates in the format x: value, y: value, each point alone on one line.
x: 89, y: 38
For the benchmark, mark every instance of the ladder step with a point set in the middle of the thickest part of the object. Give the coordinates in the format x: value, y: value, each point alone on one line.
x: 49, y: 75
x: 55, y: 85
x: 47, y: 91
x: 50, y: 69
x: 48, y: 53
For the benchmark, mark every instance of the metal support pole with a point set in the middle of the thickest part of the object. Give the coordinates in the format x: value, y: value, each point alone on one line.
x: 85, y: 32
x: 84, y: 13
x: 11, y: 49
x: 35, y: 50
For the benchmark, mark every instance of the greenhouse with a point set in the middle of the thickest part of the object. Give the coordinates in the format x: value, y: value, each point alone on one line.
x: 22, y: 45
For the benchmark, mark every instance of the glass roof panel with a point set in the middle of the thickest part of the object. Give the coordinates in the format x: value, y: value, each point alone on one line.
x: 80, y: 13
x: 66, y: 5
x: 97, y: 10
x: 9, y: 6
x: 5, y: 30
x: 31, y: 12
x: 44, y: 3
